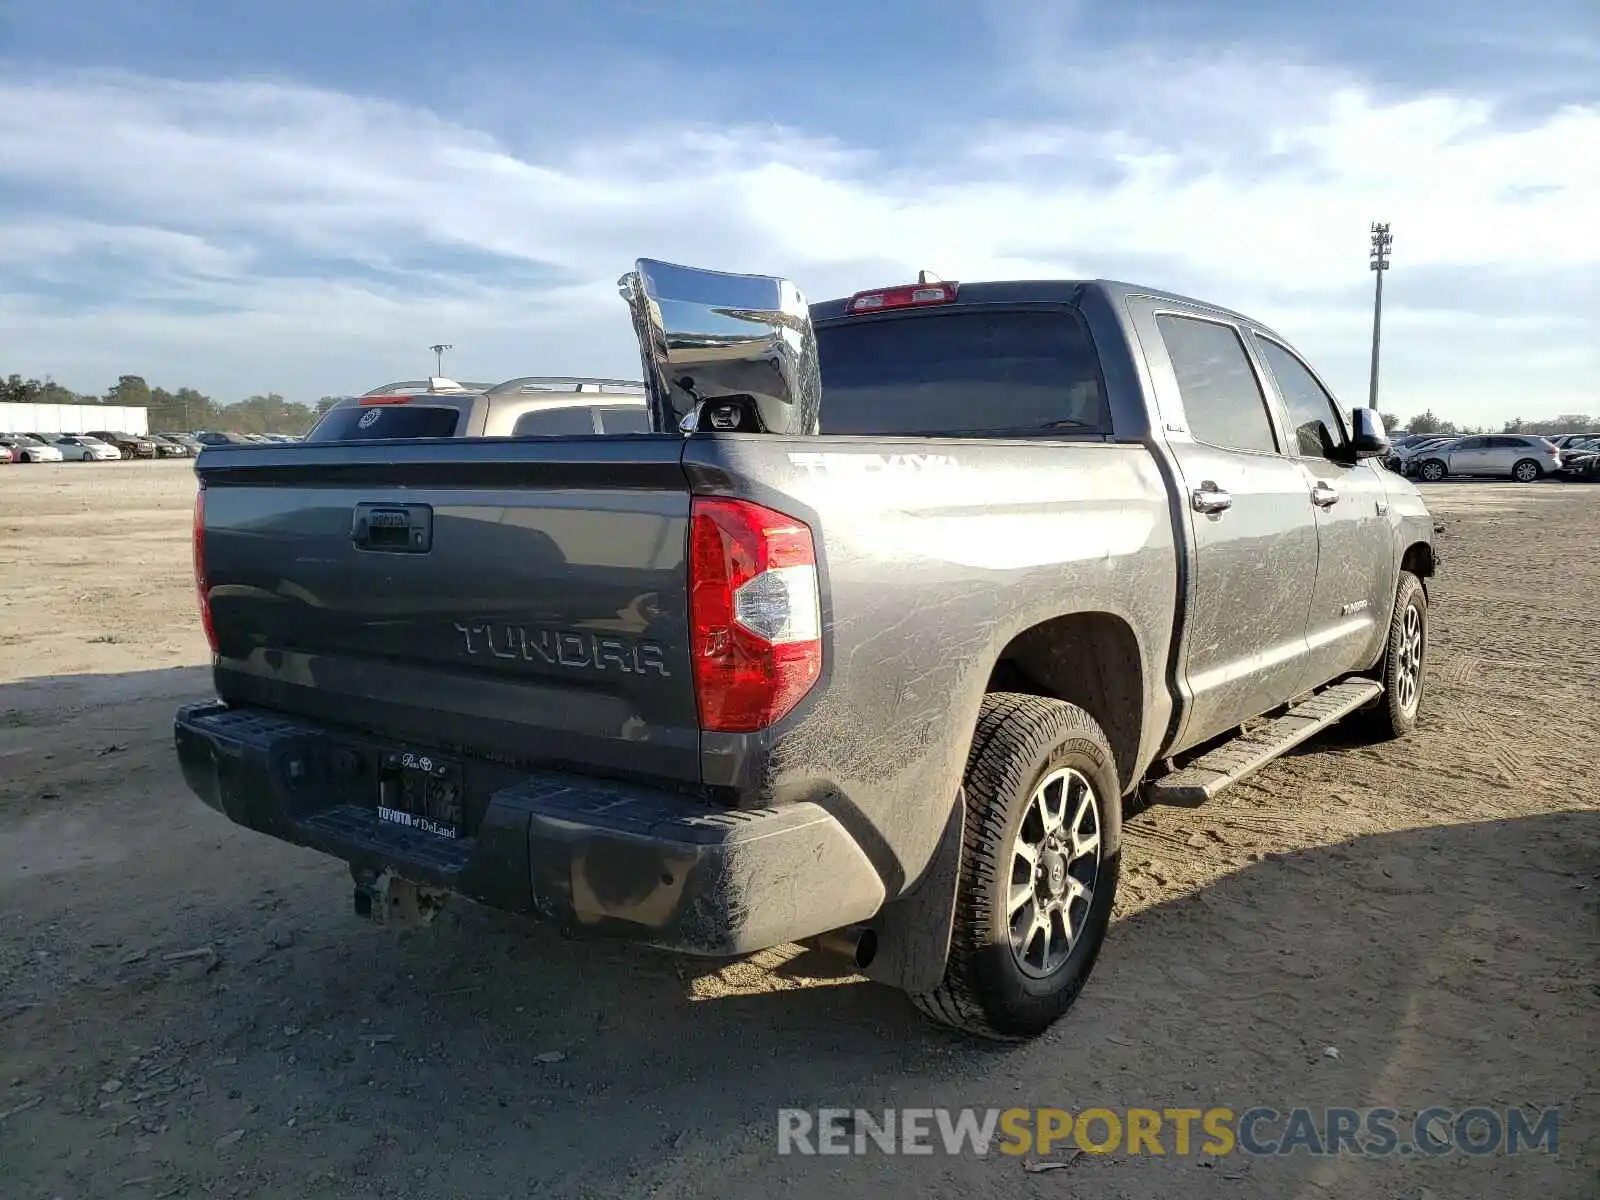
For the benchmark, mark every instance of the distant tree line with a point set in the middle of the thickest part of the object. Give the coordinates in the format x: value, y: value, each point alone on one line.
x: 187, y: 409
x: 183, y: 410
x: 1565, y: 423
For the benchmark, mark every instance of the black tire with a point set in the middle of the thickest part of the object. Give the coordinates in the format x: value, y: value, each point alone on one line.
x: 1396, y: 712
x: 1021, y: 740
x: 1432, y: 471
x: 1526, y: 470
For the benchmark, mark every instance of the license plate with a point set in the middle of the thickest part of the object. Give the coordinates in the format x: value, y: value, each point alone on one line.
x: 420, y: 791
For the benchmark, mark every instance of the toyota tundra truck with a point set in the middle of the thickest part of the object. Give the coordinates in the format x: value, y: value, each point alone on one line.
x: 867, y: 644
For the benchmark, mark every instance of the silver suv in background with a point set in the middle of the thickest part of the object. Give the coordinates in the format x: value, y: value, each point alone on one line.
x: 1520, y: 456
x: 528, y: 406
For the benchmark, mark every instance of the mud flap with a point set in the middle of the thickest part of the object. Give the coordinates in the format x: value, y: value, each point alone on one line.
x: 914, y: 931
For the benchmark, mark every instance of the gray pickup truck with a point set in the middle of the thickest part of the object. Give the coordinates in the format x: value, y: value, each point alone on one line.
x: 866, y: 646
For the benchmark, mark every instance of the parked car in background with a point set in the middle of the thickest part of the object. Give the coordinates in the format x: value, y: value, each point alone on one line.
x: 132, y: 445
x: 5, y: 455
x: 84, y: 447
x: 166, y: 447
x: 211, y: 437
x: 1410, y: 439
x: 1524, y: 457
x: 187, y: 440
x: 1403, y: 461
x: 528, y: 406
x: 25, y: 448
x: 1580, y: 458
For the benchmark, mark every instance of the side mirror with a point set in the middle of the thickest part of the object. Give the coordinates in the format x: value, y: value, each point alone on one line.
x: 1368, y: 440
x: 724, y: 351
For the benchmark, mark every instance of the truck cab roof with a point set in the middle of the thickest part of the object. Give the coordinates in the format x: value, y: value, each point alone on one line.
x: 1033, y: 291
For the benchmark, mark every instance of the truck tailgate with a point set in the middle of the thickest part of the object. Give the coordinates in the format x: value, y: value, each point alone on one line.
x: 518, y: 600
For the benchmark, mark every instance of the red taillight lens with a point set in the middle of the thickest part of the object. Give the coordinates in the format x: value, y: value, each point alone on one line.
x: 201, y: 586
x: 754, y: 613
x: 912, y: 295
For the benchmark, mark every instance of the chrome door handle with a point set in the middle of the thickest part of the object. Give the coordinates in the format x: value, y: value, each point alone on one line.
x: 1324, y: 496
x: 1209, y: 498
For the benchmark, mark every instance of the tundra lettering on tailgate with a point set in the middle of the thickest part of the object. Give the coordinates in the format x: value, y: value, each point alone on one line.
x: 563, y: 648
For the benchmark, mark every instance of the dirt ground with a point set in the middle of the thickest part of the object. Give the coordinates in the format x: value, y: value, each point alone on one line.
x: 189, y: 1009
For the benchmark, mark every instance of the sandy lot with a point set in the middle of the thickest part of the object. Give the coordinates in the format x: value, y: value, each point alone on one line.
x: 1428, y: 908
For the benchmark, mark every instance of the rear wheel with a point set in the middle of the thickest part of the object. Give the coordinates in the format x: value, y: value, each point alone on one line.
x: 1526, y: 470
x: 1431, y: 471
x: 1038, y: 872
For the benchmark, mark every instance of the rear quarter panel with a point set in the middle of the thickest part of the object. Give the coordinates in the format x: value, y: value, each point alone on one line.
x: 933, y: 556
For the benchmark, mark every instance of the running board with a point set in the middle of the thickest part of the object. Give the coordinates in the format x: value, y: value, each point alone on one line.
x: 1249, y: 752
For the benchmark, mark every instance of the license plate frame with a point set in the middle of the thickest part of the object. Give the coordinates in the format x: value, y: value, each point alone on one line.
x: 422, y: 791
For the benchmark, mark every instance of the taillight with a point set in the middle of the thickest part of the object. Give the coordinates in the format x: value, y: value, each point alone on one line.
x: 754, y: 613
x: 369, y: 401
x: 201, y: 586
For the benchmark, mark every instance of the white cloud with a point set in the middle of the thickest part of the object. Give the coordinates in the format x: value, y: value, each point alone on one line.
x: 335, y: 236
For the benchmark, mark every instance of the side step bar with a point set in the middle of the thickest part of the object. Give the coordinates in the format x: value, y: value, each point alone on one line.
x: 1249, y: 752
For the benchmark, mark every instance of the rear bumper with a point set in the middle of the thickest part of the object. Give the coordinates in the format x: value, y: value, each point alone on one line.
x: 595, y: 855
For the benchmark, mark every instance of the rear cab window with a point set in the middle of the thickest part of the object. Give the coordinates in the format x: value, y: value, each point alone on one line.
x: 974, y: 372
x: 382, y: 422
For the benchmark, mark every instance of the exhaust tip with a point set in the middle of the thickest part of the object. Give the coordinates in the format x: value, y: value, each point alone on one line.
x: 866, y: 949
x: 856, y: 945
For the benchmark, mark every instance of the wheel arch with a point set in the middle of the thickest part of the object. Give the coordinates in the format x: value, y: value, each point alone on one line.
x: 1092, y: 660
x: 1420, y: 560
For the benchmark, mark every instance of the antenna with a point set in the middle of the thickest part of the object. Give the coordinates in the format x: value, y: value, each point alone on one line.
x: 438, y: 356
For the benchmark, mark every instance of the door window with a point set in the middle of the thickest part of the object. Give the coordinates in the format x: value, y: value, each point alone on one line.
x: 1221, y: 395
x: 1314, y: 420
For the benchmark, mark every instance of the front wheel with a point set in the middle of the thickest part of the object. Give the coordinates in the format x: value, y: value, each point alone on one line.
x: 1395, y: 713
x: 1526, y: 471
x: 1038, y: 872
x: 1431, y: 471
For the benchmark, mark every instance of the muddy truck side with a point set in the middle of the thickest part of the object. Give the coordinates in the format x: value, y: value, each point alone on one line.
x: 880, y: 680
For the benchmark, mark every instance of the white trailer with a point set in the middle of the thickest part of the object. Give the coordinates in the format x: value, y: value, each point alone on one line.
x: 72, y: 418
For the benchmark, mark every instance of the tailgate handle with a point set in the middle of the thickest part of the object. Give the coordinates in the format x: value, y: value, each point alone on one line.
x: 393, y: 528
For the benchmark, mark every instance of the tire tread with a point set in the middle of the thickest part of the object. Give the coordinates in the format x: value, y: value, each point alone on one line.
x: 1014, y: 731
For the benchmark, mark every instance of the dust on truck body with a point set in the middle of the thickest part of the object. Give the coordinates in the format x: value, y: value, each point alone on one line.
x: 868, y: 643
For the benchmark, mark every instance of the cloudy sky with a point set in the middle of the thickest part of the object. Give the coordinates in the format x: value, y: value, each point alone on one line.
x: 300, y: 196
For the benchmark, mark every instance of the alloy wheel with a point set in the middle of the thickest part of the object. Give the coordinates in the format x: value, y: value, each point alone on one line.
x: 1055, y: 862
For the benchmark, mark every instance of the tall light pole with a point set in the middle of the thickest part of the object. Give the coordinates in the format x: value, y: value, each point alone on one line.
x: 1378, y: 260
x: 440, y: 348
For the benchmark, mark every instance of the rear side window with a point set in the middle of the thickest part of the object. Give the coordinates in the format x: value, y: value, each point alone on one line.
x: 573, y: 420
x: 382, y: 422
x: 1220, y: 393
x: 966, y: 373
x: 624, y: 418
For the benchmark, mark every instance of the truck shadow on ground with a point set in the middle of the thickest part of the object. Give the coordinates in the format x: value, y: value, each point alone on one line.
x: 484, y: 1054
